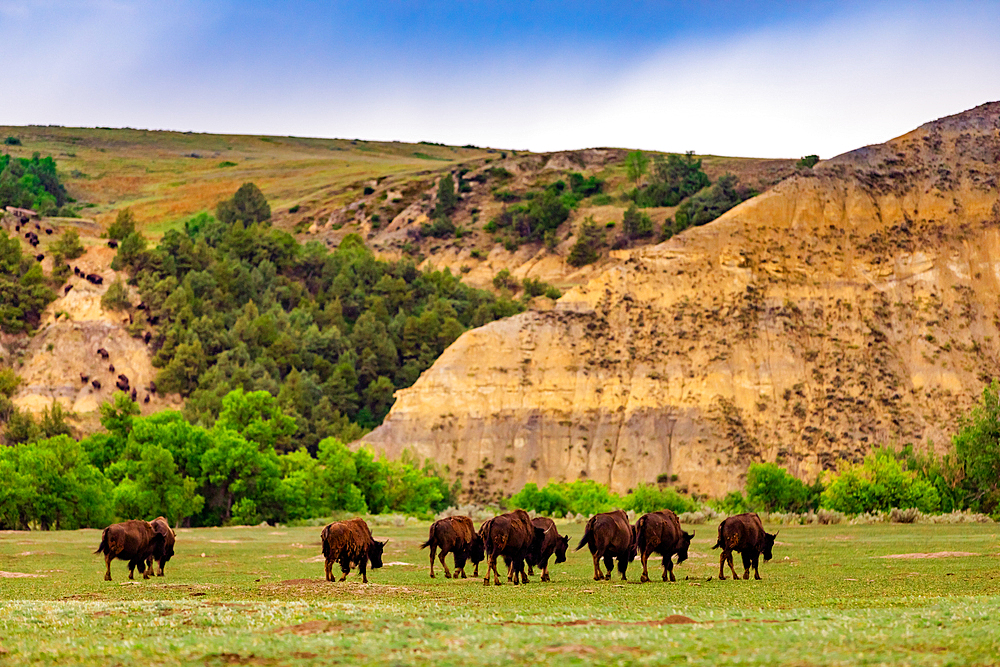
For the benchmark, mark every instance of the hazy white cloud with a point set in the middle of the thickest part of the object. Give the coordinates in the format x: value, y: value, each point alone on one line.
x: 788, y: 91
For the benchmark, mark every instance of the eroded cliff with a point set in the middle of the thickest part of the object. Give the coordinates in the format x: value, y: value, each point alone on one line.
x: 851, y: 305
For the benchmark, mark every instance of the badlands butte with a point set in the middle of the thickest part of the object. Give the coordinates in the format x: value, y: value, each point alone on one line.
x: 847, y: 306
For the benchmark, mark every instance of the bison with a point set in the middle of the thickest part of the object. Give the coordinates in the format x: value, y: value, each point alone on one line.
x: 133, y: 395
x: 146, y: 400
x: 134, y: 541
x: 152, y: 387
x: 84, y: 378
x: 609, y: 536
x: 146, y: 337
x: 513, y: 536
x: 77, y: 271
x: 743, y: 533
x: 96, y: 384
x: 455, y: 535
x: 94, y: 278
x: 122, y: 382
x: 48, y: 231
x: 103, y: 353
x: 660, y: 532
x: 111, y: 368
x: 162, y: 552
x: 350, y: 542
x: 39, y: 257
x: 552, y: 543
x: 67, y: 289
x: 112, y: 243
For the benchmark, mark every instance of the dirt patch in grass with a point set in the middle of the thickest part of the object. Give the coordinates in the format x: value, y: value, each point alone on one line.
x: 353, y: 587
x: 237, y: 659
x: 673, y: 619
x: 18, y: 575
x: 936, y: 554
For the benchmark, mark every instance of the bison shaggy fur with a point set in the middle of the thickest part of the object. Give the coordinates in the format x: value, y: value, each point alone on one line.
x: 351, y: 542
x: 162, y: 552
x: 455, y: 535
x: 134, y: 541
x: 660, y: 532
x: 609, y: 536
x: 743, y: 533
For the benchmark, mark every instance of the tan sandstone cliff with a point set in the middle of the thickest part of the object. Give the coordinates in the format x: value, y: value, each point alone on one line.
x: 852, y: 305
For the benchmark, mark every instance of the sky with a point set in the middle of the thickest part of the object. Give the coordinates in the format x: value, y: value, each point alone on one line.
x: 754, y: 79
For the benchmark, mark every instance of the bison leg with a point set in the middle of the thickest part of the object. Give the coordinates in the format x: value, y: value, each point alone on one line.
x: 107, y: 561
x: 531, y: 570
x: 143, y: 570
x: 756, y: 562
x: 329, y: 570
x: 131, y: 570
x: 609, y: 565
x: 363, y: 567
x: 622, y: 566
x: 545, y: 569
x: 729, y: 559
x: 447, y: 574
x: 461, y: 556
x: 345, y: 567
x: 598, y: 575
x: 668, y: 568
x: 520, y: 569
x: 433, y: 556
x: 159, y: 572
x: 475, y: 571
x: 747, y: 561
x: 493, y: 566
x: 644, y: 577
x: 722, y: 565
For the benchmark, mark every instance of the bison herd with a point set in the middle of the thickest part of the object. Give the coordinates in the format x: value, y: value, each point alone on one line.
x: 516, y: 537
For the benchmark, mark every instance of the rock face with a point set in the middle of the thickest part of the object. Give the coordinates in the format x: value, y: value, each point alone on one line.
x: 852, y: 305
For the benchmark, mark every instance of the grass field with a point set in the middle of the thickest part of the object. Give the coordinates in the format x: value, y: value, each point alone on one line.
x: 257, y: 596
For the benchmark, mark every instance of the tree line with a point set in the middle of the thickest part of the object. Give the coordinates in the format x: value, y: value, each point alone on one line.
x: 233, y: 472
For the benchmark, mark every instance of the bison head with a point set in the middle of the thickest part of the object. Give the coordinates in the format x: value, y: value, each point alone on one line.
x: 682, y: 550
x: 768, y: 545
x: 477, y: 552
x: 561, y: 545
x: 375, y: 553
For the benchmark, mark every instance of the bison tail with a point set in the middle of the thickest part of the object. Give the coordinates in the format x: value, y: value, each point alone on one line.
x: 104, y: 548
x: 427, y: 543
x: 587, y: 536
x: 718, y: 542
x: 640, y: 534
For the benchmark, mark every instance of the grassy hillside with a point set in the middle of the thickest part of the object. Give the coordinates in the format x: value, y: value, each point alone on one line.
x: 167, y: 176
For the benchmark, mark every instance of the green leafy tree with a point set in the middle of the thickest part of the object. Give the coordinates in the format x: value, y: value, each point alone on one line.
x: 123, y: 226
x: 878, y: 485
x: 68, y: 245
x: 23, y: 290
x: 636, y: 164
x: 247, y: 206
x: 807, y: 162
x: 651, y: 498
x: 589, y: 239
x: 635, y: 224
x: 977, y: 451
x: 447, y: 198
x: 116, y: 297
x: 771, y: 488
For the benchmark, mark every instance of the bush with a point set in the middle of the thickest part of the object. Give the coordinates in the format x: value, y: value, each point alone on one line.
x: 879, y: 485
x: 503, y: 280
x: 69, y: 245
x: 770, y: 488
x: 705, y: 207
x: 589, y: 239
x: 123, y: 225
x: 31, y: 183
x: 651, y: 498
x: 22, y: 286
x: 247, y: 206
x: 438, y: 228
x: 12, y: 141
x: 807, y: 162
x: 559, y: 498
x: 674, y: 178
x: 635, y: 225
x: 116, y: 297
x: 976, y: 453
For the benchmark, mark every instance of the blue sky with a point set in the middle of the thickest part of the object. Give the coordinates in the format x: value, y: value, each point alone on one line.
x: 765, y: 79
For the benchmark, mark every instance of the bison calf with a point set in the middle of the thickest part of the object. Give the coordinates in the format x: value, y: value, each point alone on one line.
x: 455, y: 535
x: 134, y: 541
x: 351, y: 542
x: 162, y: 552
x: 609, y: 536
x: 743, y: 533
x: 660, y: 532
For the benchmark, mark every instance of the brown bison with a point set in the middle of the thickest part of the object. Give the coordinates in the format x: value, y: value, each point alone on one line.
x: 67, y: 289
x: 455, y: 535
x: 165, y: 550
x: 351, y: 542
x: 513, y: 536
x: 104, y: 353
x: 609, y: 536
x: 122, y: 382
x: 134, y: 541
x: 112, y: 243
x: 660, y: 532
x: 96, y: 384
x: 552, y: 543
x: 743, y: 533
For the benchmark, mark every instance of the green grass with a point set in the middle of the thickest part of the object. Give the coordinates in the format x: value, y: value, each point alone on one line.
x: 257, y: 596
